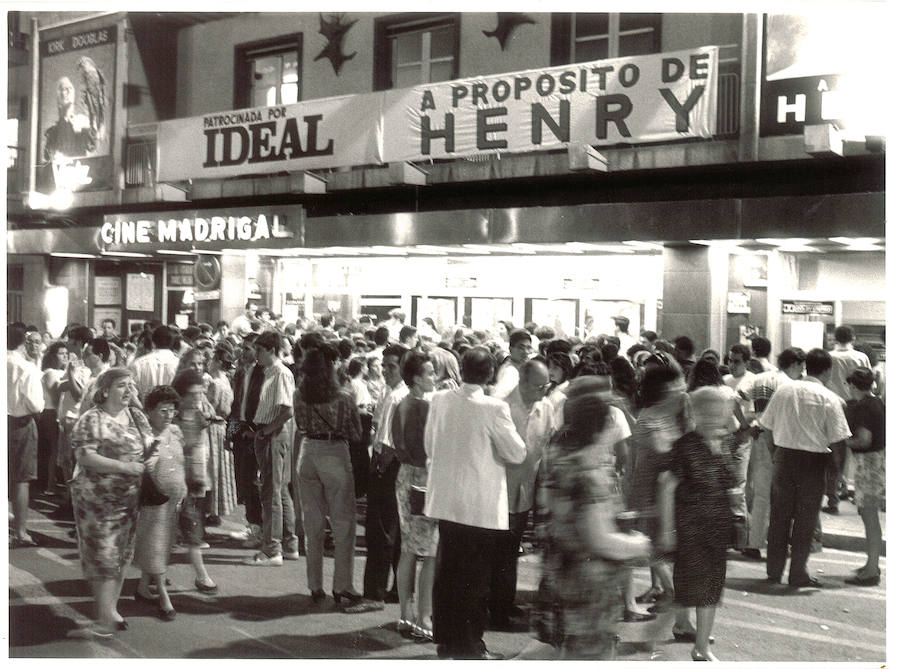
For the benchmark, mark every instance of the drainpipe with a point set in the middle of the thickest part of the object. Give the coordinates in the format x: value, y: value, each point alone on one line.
x: 751, y: 75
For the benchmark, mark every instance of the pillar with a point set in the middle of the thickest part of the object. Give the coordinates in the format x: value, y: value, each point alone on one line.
x: 695, y: 282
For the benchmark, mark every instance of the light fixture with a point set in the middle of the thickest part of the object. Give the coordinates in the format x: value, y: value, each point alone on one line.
x: 855, y: 241
x: 125, y: 254
x: 407, y: 173
x: 586, y: 157
x: 208, y: 252
x: 650, y: 246
x: 307, y: 182
x: 173, y: 252
x: 424, y: 249
x: 543, y: 248
x: 389, y: 250
x: 60, y: 254
x: 598, y: 248
x: 477, y: 249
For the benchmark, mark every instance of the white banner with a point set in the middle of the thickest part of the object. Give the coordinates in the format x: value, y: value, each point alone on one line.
x: 331, y: 132
x: 653, y: 98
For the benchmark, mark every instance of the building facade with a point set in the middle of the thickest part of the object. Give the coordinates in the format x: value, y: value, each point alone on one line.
x: 701, y: 174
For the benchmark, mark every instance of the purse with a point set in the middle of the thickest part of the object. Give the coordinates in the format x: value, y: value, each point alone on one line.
x: 150, y: 494
x: 416, y: 500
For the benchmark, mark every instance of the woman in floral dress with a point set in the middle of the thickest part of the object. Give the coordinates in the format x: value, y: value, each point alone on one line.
x: 109, y: 441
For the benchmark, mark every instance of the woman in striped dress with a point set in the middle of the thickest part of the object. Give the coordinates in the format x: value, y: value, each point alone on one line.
x: 223, y: 490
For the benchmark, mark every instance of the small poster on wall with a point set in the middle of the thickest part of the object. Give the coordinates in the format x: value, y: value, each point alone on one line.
x: 139, y: 289
x: 738, y: 302
x: 102, y: 313
x: 107, y: 290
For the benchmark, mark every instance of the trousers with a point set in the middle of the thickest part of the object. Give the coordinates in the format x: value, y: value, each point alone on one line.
x: 273, y: 457
x: 246, y: 478
x: 462, y: 587
x: 834, y: 473
x: 798, y: 480
x: 382, y: 532
x: 504, y: 573
x: 759, y: 486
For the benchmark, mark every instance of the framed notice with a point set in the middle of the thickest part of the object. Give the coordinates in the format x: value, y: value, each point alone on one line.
x: 103, y: 313
x: 139, y: 289
x: 107, y: 290
x: 738, y: 302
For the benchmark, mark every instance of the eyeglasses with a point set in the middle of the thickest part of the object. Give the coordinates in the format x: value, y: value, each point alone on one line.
x: 34, y: 341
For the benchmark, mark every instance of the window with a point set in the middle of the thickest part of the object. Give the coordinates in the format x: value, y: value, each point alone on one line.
x: 268, y: 73
x: 416, y: 49
x: 15, y: 293
x: 578, y: 38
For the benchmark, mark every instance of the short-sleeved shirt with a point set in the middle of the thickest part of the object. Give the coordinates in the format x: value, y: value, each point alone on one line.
x: 868, y: 413
x: 843, y: 363
x: 98, y: 432
x: 277, y: 391
x: 805, y: 416
x: 340, y: 416
x: 24, y: 393
x: 391, y: 399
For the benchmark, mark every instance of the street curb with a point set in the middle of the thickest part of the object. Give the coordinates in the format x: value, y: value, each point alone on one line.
x: 849, y: 542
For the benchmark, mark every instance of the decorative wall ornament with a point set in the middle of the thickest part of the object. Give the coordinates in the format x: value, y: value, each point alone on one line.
x: 507, y: 22
x: 334, y: 29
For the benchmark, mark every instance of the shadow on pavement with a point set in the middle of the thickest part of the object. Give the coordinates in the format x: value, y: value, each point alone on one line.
x: 35, y: 625
x: 761, y: 587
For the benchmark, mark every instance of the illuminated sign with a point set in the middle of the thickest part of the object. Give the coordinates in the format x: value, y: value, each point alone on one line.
x: 806, y: 308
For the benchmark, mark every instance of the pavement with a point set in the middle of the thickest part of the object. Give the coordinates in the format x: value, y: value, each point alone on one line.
x: 267, y: 613
x: 845, y: 531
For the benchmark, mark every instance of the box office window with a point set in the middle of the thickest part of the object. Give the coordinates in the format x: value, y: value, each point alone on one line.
x: 416, y: 49
x: 268, y: 73
x: 581, y: 37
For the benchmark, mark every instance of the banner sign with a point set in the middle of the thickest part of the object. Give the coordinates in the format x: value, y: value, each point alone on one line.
x: 210, y: 229
x: 77, y: 95
x: 806, y: 308
x: 331, y: 132
x: 637, y: 99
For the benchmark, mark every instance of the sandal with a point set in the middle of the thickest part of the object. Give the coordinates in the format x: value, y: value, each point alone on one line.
x: 422, y: 634
x: 405, y: 628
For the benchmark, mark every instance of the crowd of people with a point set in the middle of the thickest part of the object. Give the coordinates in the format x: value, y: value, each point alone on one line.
x: 620, y: 458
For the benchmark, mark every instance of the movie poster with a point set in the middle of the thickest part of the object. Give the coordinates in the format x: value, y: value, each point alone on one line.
x: 77, y: 88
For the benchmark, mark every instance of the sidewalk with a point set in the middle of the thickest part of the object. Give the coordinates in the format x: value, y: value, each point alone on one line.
x: 845, y: 531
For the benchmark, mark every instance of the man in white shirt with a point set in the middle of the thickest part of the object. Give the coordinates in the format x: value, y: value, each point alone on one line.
x: 24, y: 401
x: 533, y: 415
x: 759, y: 390
x: 844, y: 361
x: 520, y: 349
x: 806, y: 420
x: 469, y: 440
x: 620, y: 332
x: 156, y: 368
x: 738, y: 357
x: 243, y: 324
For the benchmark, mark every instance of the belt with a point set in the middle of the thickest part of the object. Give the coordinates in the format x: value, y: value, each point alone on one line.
x: 326, y: 436
x: 19, y: 421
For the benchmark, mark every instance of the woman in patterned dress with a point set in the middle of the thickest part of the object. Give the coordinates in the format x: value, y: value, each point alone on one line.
x: 418, y: 534
x: 109, y: 441
x: 156, y: 524
x: 699, y: 527
x: 223, y: 491
x: 579, y: 599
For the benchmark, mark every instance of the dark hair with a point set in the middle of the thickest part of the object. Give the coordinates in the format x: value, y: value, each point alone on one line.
x: 224, y: 355
x: 818, y: 361
x: 249, y: 302
x: 326, y: 319
x: 399, y: 315
x: 634, y: 348
x: 250, y: 338
x: 330, y: 352
x: 585, y: 416
x: 430, y: 321
x: 790, y: 356
x: 100, y: 347
x: 654, y: 382
x: 382, y: 334
x: 185, y: 379
x: 761, y: 346
x: 162, y: 337
x: 861, y: 378
x: 220, y: 324
x: 866, y: 347
x: 623, y: 377
x: 15, y: 337
x: 161, y: 395
x: 109, y: 320
x: 545, y: 332
x: 48, y: 359
x: 311, y: 340
x: 271, y: 341
x: 843, y: 334
x: 355, y: 366
x: 395, y: 350
x: 711, y: 354
x: 345, y: 348
x: 413, y: 365
x: 318, y: 385
x: 406, y: 332
x: 558, y: 346
x: 81, y: 334
x: 191, y: 332
x: 742, y: 349
x: 477, y: 365
x: 609, y: 351
x: 531, y: 326
x: 664, y: 346
x: 517, y: 336
x: 564, y: 362
x: 649, y: 335
x: 622, y: 323
x: 684, y: 344
x: 704, y: 373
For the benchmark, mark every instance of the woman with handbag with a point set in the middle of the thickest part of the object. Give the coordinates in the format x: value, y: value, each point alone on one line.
x: 162, y: 490
x: 700, y: 528
x: 109, y: 441
x: 328, y: 419
x: 418, y: 533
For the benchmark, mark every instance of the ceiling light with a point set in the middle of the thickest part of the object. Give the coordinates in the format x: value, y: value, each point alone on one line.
x: 173, y: 252
x: 125, y: 254
x: 545, y: 248
x: 652, y: 246
x: 478, y: 249
x: 424, y: 249
x: 793, y: 241
x: 389, y: 250
x: 74, y: 255
x: 855, y: 241
x: 598, y: 248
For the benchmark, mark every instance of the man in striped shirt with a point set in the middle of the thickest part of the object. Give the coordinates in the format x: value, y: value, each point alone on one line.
x: 272, y: 446
x: 759, y: 390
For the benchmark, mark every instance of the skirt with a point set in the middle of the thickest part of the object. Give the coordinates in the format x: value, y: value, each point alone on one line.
x: 418, y: 534
x: 220, y: 472
x: 155, y: 534
x: 869, y: 479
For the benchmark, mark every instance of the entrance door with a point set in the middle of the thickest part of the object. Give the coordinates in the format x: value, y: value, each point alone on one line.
x: 442, y: 310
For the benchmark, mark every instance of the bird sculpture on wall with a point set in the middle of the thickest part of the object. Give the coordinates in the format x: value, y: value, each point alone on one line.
x: 93, y: 94
x: 507, y: 22
x: 334, y: 29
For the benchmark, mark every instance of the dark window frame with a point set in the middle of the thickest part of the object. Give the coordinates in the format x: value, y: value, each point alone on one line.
x: 385, y: 25
x: 242, y: 58
x: 561, y: 36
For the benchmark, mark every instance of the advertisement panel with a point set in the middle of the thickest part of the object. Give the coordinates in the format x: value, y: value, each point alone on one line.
x: 331, y: 132
x: 77, y: 95
x: 660, y: 97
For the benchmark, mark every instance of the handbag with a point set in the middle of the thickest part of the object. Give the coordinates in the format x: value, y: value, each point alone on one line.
x: 150, y: 494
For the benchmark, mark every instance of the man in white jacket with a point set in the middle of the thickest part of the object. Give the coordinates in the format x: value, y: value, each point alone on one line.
x: 469, y: 439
